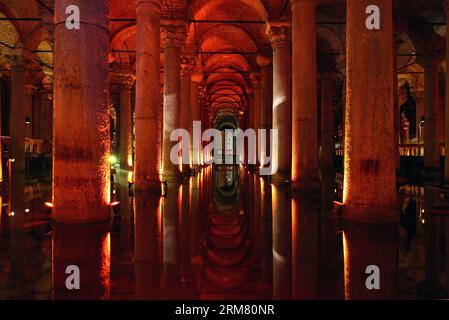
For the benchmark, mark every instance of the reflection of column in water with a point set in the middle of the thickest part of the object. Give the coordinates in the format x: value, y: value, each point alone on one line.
x: 266, y: 251
x: 147, y: 237
x: 331, y: 281
x: 255, y: 214
x: 305, y: 248
x: 170, y: 242
x: 17, y: 219
x: 86, y: 246
x: 185, y: 235
x: 365, y: 245
x: 194, y: 205
x: 430, y: 287
x: 282, y: 245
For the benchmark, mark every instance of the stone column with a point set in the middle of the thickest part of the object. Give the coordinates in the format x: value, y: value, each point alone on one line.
x: 280, y: 40
x: 304, y: 96
x: 81, y: 142
x: 327, y: 127
x: 446, y: 120
x: 266, y: 71
x: 369, y: 191
x: 196, y: 78
x: 174, y: 37
x: 28, y: 106
x: 148, y: 111
x: 17, y: 114
x: 186, y: 115
x: 431, y: 101
x: 126, y: 142
x: 257, y: 106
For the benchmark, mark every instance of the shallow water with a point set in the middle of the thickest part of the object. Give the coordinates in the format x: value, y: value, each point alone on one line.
x: 223, y: 234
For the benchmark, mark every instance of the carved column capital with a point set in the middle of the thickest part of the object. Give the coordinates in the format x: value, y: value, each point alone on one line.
x: 127, y: 81
x: 279, y: 35
x: 173, y: 36
x: 256, y: 80
x: 187, y: 65
x: 151, y: 4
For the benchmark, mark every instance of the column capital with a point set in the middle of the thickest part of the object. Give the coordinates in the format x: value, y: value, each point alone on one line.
x: 127, y: 81
x: 173, y: 36
x: 279, y: 34
x: 256, y: 80
x: 187, y: 65
x: 296, y: 2
x: 197, y: 76
x: 151, y: 4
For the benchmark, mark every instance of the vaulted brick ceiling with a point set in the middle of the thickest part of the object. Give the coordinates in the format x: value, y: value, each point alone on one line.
x: 227, y: 50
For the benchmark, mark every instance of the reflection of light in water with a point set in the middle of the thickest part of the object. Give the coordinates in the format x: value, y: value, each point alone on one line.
x: 106, y: 264
x: 346, y: 265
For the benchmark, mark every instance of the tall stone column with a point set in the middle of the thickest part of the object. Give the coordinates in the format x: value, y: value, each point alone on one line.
x: 17, y: 115
x: 81, y: 142
x: 257, y: 107
x: 186, y: 113
x: 148, y: 111
x: 327, y: 124
x: 446, y: 120
x: 266, y: 71
x: 126, y: 142
x: 196, y: 78
x: 431, y: 101
x: 369, y: 191
x: 174, y: 37
x: 28, y: 106
x: 304, y: 96
x: 282, y: 150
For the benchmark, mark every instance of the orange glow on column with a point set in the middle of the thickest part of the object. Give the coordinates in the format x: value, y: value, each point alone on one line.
x: 346, y: 266
x: 106, y: 265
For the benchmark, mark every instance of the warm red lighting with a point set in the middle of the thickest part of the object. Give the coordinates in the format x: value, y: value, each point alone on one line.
x: 115, y: 203
x: 48, y: 204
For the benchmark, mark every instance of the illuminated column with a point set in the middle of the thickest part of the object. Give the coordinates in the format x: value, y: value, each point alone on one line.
x: 327, y: 130
x: 196, y: 78
x: 147, y: 241
x: 148, y: 111
x: 186, y: 113
x: 282, y: 243
x: 28, y: 106
x: 17, y: 115
x: 446, y: 120
x: 266, y: 71
x: 367, y: 246
x: 280, y: 40
x: 257, y: 106
x: 431, y: 101
x: 126, y: 143
x: 304, y: 96
x: 369, y: 193
x: 174, y: 37
x: 88, y: 247
x: 81, y: 143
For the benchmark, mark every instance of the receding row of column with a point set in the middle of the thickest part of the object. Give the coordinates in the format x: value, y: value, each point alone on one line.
x: 79, y: 148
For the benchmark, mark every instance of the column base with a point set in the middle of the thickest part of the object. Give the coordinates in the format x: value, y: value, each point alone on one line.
x: 79, y: 215
x: 375, y: 214
x: 155, y: 187
x: 306, y: 185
